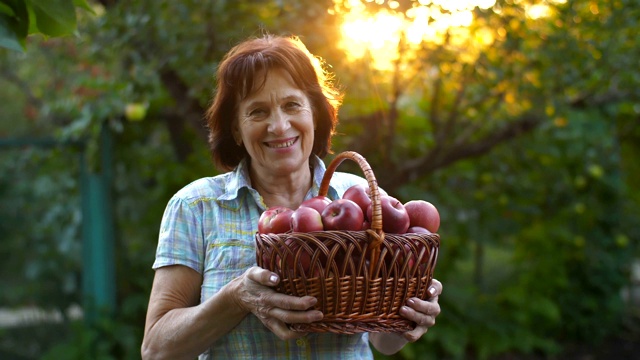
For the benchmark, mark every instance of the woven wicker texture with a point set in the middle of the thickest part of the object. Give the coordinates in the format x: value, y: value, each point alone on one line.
x: 360, y: 278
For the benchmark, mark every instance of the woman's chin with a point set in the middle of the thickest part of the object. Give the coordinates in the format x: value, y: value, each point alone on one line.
x: 286, y: 167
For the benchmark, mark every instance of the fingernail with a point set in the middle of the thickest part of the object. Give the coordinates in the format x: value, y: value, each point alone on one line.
x: 405, y: 308
x: 432, y: 291
x: 273, y: 278
x: 411, y: 302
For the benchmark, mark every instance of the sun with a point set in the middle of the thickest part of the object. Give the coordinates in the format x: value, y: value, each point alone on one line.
x: 378, y: 34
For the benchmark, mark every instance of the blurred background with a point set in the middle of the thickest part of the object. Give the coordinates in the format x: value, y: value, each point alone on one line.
x: 518, y: 119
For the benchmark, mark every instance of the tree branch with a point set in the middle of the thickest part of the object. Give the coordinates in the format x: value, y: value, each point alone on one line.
x: 23, y: 86
x: 439, y: 158
x: 190, y: 108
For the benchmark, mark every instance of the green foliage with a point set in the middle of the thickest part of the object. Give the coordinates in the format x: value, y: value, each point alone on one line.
x: 47, y: 275
x: 19, y: 18
x: 565, y: 228
x: 537, y: 235
x: 109, y: 339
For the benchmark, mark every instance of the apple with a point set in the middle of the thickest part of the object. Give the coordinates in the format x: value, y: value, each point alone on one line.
x: 304, y: 259
x: 306, y: 219
x: 366, y: 225
x: 317, y: 202
x: 275, y: 220
x: 424, y: 214
x: 267, y: 255
x: 401, y: 256
x: 419, y: 245
x: 417, y: 230
x: 395, y: 219
x: 359, y: 194
x: 342, y: 214
x: 135, y: 111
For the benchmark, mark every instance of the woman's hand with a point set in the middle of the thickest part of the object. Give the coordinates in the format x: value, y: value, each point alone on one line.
x: 419, y: 311
x: 422, y: 312
x: 254, y: 294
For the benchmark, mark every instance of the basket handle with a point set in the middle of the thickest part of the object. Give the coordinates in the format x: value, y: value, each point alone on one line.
x: 376, y: 235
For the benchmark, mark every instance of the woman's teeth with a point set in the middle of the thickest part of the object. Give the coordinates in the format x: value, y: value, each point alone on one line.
x: 282, y: 144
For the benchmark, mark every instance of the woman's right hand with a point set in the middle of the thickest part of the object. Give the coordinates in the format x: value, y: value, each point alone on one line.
x: 254, y: 293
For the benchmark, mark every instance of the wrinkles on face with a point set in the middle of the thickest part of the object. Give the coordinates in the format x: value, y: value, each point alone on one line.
x: 275, y: 124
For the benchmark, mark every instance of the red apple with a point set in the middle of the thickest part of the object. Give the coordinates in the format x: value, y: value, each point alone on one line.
x: 406, y: 250
x: 411, y: 260
x: 417, y: 229
x: 304, y: 258
x: 306, y: 219
x: 419, y: 245
x: 342, y: 214
x: 359, y: 194
x: 395, y: 219
x: 266, y: 259
x: 366, y: 224
x: 424, y: 214
x: 275, y: 220
x: 317, y: 202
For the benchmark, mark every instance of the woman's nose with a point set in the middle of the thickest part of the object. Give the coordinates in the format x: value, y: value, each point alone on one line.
x: 278, y: 122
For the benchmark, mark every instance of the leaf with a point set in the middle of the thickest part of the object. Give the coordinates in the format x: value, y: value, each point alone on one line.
x: 54, y: 17
x: 82, y: 4
x: 8, y: 37
x: 6, y: 9
x: 14, y: 24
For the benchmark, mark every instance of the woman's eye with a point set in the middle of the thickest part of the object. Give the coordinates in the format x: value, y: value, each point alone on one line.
x: 292, y: 105
x: 257, y: 112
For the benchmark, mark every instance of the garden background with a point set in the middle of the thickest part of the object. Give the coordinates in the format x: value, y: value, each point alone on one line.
x: 518, y: 119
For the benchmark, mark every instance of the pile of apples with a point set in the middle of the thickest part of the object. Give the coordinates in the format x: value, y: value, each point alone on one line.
x: 351, y: 213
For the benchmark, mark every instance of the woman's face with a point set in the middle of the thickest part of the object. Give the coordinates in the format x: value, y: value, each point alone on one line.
x: 276, y: 126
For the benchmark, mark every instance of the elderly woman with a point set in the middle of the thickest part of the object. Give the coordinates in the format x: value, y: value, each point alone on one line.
x: 270, y: 124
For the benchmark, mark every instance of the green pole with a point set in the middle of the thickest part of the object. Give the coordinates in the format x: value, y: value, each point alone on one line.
x: 98, y: 233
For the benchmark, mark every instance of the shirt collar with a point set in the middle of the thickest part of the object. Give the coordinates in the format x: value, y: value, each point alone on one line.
x: 237, y: 180
x: 319, y: 169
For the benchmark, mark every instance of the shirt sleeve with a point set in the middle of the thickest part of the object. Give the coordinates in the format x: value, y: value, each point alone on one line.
x: 181, y: 240
x: 341, y: 181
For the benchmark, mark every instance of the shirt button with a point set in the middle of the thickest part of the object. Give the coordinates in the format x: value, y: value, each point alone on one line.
x: 300, y: 342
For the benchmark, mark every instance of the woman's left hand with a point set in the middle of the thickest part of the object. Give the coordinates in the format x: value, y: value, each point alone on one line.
x: 422, y: 312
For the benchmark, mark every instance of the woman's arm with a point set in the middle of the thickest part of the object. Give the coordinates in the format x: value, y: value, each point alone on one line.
x: 177, y: 327
x: 419, y: 311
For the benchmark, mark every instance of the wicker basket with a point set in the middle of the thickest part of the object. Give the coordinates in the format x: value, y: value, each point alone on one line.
x: 360, y: 278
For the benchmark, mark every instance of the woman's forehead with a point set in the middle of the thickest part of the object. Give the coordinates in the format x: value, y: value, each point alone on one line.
x: 260, y: 78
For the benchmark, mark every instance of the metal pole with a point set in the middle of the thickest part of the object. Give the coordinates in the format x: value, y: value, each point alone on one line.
x: 98, y: 233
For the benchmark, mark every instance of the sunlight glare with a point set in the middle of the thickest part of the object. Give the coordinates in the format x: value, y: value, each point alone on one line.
x: 378, y: 34
x: 537, y: 11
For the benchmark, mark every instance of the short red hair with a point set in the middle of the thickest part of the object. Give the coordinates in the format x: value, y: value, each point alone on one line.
x: 243, y: 70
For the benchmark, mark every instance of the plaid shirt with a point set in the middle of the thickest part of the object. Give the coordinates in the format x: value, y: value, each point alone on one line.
x: 209, y: 226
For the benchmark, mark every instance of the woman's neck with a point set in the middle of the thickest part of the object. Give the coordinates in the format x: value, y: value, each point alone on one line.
x: 287, y: 190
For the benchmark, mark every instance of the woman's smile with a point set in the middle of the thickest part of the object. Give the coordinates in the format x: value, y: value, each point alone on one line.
x: 280, y: 144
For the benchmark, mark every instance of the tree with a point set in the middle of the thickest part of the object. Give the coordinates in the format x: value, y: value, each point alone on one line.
x: 503, y: 124
x: 21, y: 18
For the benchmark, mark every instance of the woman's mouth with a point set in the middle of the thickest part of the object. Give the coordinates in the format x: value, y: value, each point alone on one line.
x: 281, y: 143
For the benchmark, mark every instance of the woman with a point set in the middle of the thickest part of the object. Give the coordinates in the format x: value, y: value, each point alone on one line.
x: 271, y: 122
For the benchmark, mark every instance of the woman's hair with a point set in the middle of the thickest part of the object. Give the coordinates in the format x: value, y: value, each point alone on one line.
x: 243, y: 70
